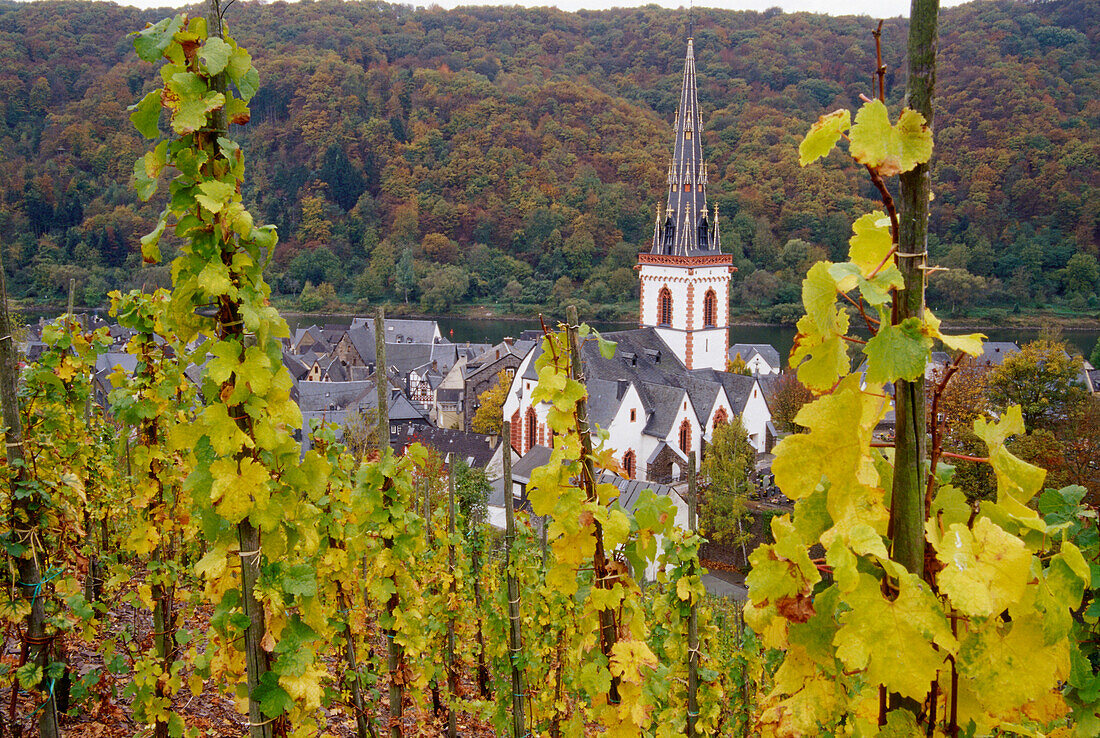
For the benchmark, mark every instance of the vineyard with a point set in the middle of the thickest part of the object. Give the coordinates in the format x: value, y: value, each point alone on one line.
x: 180, y: 553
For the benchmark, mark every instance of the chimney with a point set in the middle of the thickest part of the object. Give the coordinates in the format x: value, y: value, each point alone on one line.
x: 508, y: 340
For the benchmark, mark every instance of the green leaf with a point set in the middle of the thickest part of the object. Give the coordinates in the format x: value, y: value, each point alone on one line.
x: 150, y: 242
x: 300, y: 580
x: 248, y: 84
x: 871, y: 135
x: 915, y: 138
x: 191, y: 102
x: 215, y: 55
x: 969, y: 344
x: 215, y: 195
x: 871, y: 242
x: 889, y: 150
x: 273, y: 699
x: 145, y: 114
x: 143, y: 183
x: 897, y: 352
x: 151, y: 42
x: 607, y: 348
x: 823, y: 135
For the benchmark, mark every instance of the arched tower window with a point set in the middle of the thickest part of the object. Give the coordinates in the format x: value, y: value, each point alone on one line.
x: 669, y: 234
x: 629, y: 463
x: 710, y: 309
x: 664, y: 307
x: 532, y: 430
x: 704, y: 234
x: 720, y: 417
x: 685, y: 437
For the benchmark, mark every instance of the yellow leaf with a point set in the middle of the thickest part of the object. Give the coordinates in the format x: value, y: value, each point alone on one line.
x: 985, y: 570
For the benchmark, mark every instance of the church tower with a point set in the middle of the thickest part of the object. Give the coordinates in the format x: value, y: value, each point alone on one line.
x: 685, y: 277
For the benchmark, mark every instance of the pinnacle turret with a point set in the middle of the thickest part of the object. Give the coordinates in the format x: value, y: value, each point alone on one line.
x: 686, y: 231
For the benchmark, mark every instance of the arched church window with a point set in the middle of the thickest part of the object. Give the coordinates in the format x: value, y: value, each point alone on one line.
x: 664, y: 307
x: 710, y: 309
x: 532, y: 429
x: 629, y: 464
x: 720, y: 417
x: 685, y: 437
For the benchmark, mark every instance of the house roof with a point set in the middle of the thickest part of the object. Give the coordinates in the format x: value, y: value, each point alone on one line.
x: 631, y: 489
x: 402, y: 330
x: 537, y: 456
x: 642, y: 359
x: 747, y: 351
x: 475, y: 449
x: 994, y: 352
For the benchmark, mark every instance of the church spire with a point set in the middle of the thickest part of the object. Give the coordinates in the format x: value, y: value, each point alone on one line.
x: 692, y: 234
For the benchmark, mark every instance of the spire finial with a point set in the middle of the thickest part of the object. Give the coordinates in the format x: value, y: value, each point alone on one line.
x: 691, y: 21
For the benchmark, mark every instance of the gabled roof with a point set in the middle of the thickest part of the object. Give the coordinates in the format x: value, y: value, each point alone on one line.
x: 644, y: 360
x: 407, y: 357
x: 631, y: 489
x: 475, y: 449
x: 537, y: 456
x: 994, y: 352
x: 402, y: 330
x: 747, y: 351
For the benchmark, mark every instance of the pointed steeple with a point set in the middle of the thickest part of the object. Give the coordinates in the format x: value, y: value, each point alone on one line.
x: 687, y: 179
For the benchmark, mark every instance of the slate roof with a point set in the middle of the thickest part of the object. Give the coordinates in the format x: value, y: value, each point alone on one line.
x: 492, y: 354
x: 475, y: 449
x: 994, y: 352
x: 748, y: 350
x: 642, y: 359
x: 1094, y: 380
x: 407, y: 357
x: 402, y: 330
x: 631, y: 489
x: 537, y: 456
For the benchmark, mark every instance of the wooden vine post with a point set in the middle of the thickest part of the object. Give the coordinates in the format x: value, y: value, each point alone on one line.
x: 452, y: 669
x: 693, y: 617
x: 515, y: 641
x: 601, y: 572
x: 382, y: 432
x: 910, y: 473
x: 24, y: 510
x: 231, y: 328
x: 908, y: 508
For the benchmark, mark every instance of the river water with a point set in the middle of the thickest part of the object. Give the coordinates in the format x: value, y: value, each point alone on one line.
x: 493, y: 330
x: 461, y: 330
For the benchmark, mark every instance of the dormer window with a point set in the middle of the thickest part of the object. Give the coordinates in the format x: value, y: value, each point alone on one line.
x: 687, y: 188
x: 687, y: 135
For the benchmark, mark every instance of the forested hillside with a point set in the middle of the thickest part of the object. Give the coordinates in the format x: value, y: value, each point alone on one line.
x: 516, y: 156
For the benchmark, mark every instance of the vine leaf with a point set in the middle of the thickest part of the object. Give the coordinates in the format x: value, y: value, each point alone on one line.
x: 895, y: 641
x: 985, y: 570
x: 897, y: 352
x: 823, y: 135
x: 888, y: 149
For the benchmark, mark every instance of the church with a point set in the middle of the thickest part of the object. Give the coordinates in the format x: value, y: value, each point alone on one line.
x: 662, y: 394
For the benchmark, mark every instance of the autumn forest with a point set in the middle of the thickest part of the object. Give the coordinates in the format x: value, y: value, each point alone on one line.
x: 513, y: 158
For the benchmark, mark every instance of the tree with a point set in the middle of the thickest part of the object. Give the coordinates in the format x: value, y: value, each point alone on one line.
x: 404, y: 276
x: 1094, y: 357
x: 1082, y: 273
x: 737, y: 365
x: 442, y: 288
x: 1042, y: 379
x: 727, y: 479
x: 787, y: 397
x: 490, y: 413
x: 514, y: 290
